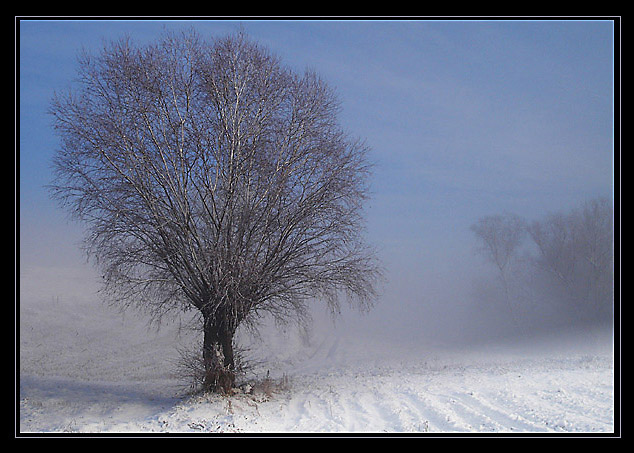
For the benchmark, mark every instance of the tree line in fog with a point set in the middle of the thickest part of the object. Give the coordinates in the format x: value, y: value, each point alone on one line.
x: 555, y: 271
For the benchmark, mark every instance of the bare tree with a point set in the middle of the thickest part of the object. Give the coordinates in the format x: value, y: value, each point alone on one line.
x: 500, y: 238
x: 576, y: 257
x: 212, y: 177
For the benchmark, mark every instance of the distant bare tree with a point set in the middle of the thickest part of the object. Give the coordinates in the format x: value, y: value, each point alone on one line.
x: 576, y: 256
x: 211, y: 177
x: 500, y: 237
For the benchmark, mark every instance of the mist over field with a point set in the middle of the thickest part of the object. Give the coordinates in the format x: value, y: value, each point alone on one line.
x: 85, y: 368
x: 464, y: 119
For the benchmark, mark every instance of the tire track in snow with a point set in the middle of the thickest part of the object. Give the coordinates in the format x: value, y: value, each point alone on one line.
x: 493, y: 417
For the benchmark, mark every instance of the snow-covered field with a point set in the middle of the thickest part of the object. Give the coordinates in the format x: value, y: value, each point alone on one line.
x: 84, y: 368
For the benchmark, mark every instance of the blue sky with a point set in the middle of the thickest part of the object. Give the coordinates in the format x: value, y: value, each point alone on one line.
x: 464, y: 117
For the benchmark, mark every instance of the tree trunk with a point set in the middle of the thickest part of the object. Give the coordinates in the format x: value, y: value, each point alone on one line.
x: 218, y: 358
x: 226, y: 341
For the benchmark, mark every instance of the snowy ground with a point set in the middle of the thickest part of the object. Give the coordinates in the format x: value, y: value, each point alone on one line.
x: 86, y: 369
